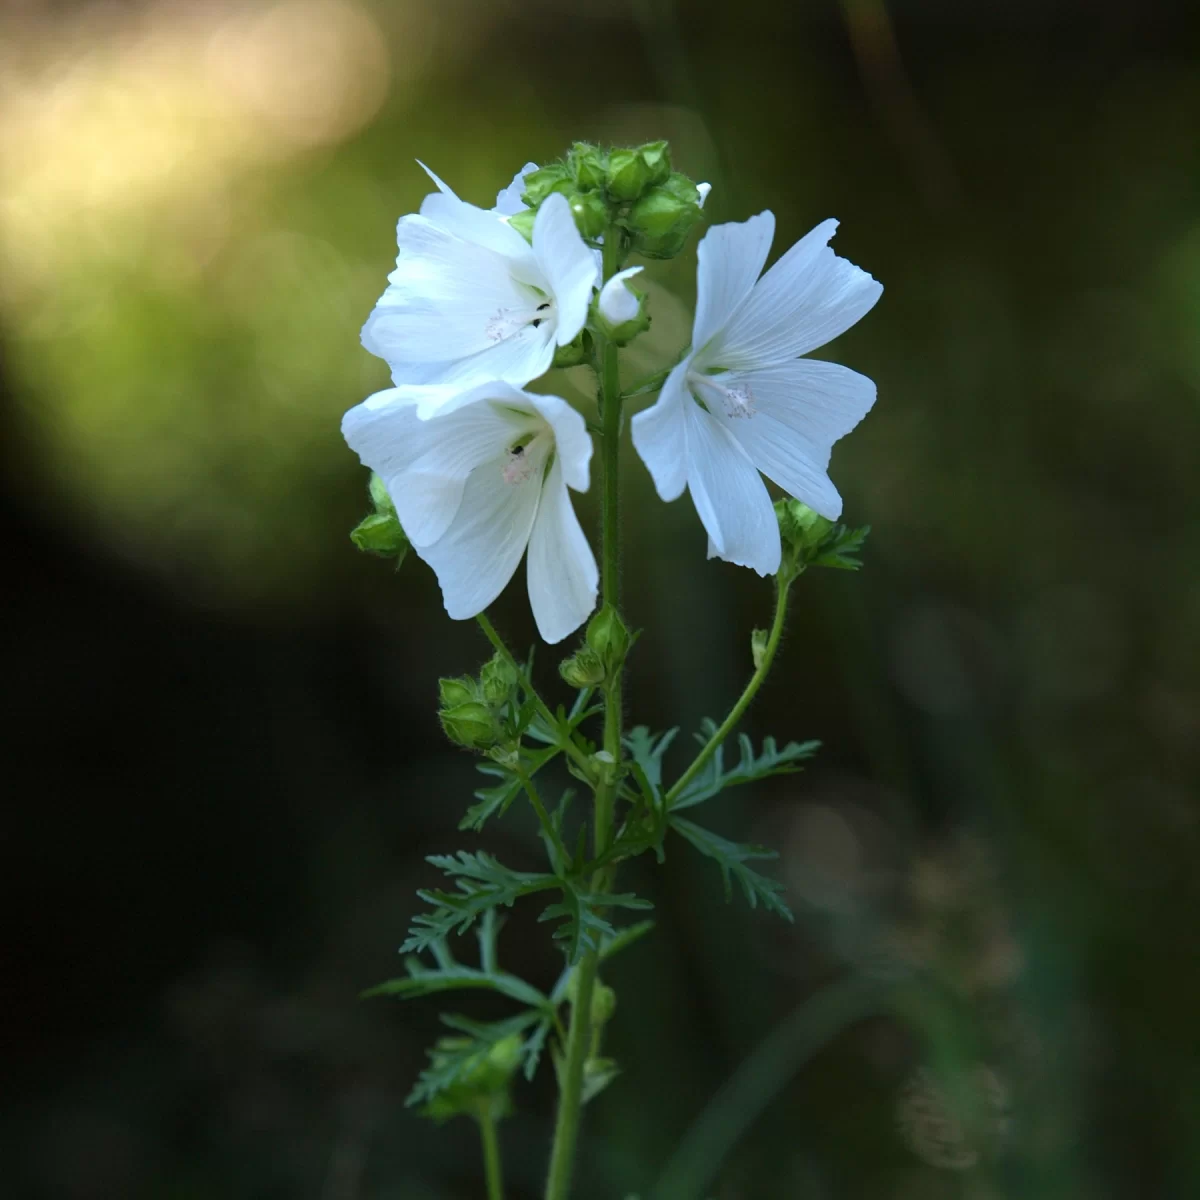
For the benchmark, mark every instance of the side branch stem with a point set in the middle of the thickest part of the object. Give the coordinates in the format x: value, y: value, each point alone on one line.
x: 782, y: 584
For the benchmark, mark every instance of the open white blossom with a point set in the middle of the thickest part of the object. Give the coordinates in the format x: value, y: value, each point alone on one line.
x: 471, y: 301
x: 479, y: 481
x: 742, y: 401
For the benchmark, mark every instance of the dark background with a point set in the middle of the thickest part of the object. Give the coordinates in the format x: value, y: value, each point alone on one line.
x: 222, y: 764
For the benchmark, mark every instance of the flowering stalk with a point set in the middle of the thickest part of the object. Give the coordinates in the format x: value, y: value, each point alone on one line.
x: 579, y: 1039
x: 474, y: 474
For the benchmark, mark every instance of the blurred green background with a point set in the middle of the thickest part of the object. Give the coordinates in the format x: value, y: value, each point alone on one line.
x: 223, y: 768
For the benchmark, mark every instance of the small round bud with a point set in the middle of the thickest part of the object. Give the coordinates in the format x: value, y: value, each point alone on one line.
x: 632, y: 171
x: 619, y: 312
x: 582, y: 669
x: 498, y: 680
x: 604, y: 1004
x: 608, y: 637
x: 590, y: 212
x: 662, y: 219
x: 470, y: 725
x: 573, y: 353
x: 544, y: 181
x: 588, y: 166
x: 381, y: 534
x: 457, y: 691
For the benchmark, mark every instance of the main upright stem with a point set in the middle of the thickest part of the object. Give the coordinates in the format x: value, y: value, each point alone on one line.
x: 579, y: 1036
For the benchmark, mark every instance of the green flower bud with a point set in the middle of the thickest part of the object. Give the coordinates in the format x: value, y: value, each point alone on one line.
x: 604, y: 1004
x: 498, y: 679
x: 457, y: 691
x: 608, y: 637
x: 758, y: 646
x: 544, y: 181
x: 381, y: 534
x: 590, y: 212
x: 799, y: 525
x: 482, y: 1082
x: 573, y: 353
x: 632, y: 171
x: 588, y: 166
x: 582, y: 669
x: 662, y: 219
x: 522, y: 222
x: 619, y: 310
x: 470, y: 724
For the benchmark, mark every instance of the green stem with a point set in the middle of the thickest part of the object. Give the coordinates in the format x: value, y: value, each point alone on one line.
x: 567, y: 744
x: 782, y: 584
x: 579, y: 1037
x: 491, y: 1152
x: 543, y: 817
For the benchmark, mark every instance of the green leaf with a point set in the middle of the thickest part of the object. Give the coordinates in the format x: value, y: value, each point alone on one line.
x: 624, y: 938
x: 483, y: 884
x: 732, y: 858
x: 750, y: 766
x: 583, y: 928
x: 840, y: 547
x: 451, y: 975
x: 496, y: 800
x: 647, y: 750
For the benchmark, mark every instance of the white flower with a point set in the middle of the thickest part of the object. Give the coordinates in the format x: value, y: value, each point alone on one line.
x: 471, y: 301
x: 508, y: 200
x: 742, y: 401
x: 617, y: 304
x: 703, y: 189
x: 479, y: 481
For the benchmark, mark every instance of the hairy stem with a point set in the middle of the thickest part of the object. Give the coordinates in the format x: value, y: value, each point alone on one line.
x: 579, y: 1038
x: 491, y: 1153
x: 782, y: 583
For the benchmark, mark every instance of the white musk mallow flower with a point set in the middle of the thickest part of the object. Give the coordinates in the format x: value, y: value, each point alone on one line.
x: 743, y: 401
x: 471, y: 300
x: 479, y: 482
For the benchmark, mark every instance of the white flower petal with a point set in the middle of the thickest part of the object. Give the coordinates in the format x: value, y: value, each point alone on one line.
x: 425, y: 463
x: 508, y: 200
x: 730, y: 497
x: 731, y: 258
x: 806, y: 299
x: 450, y: 300
x: 572, y: 442
x: 561, y: 568
x: 567, y: 263
x: 660, y: 435
x: 617, y: 303
x: 800, y: 409
x: 479, y: 553
x: 703, y: 189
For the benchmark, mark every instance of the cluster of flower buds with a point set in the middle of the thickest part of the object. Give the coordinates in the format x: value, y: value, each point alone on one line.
x: 600, y: 657
x: 481, y: 1086
x: 475, y: 712
x: 632, y: 189
x: 381, y: 533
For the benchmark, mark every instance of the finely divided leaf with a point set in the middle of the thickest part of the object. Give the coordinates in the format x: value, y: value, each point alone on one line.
x: 840, y: 548
x: 732, y: 858
x: 749, y: 767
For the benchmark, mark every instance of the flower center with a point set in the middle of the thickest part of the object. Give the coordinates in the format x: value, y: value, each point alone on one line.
x: 509, y: 321
x: 527, y: 457
x: 735, y: 398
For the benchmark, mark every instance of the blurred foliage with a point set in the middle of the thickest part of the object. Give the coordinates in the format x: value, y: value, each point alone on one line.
x: 222, y: 718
